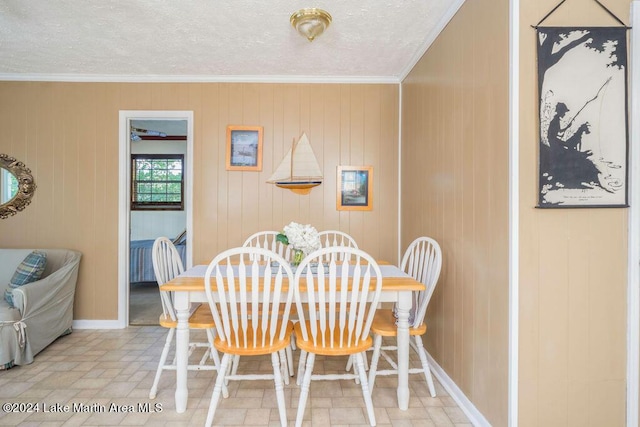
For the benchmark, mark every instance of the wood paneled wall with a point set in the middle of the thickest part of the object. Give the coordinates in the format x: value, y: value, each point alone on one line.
x: 67, y: 133
x: 573, y: 270
x: 455, y: 181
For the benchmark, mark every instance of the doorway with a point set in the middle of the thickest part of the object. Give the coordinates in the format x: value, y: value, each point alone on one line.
x: 155, y: 200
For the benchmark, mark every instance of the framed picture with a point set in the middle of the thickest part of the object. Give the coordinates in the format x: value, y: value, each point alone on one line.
x: 244, y: 148
x: 583, y: 148
x: 355, y: 188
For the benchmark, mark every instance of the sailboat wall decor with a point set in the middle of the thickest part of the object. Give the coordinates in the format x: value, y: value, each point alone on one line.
x: 299, y: 170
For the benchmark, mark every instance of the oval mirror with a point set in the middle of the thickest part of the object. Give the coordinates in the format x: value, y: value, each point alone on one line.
x: 16, y: 186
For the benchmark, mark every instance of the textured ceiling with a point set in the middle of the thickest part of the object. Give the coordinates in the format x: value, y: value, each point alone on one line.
x: 213, y: 40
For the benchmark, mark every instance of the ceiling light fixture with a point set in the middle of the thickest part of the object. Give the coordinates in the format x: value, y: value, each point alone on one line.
x: 311, y: 22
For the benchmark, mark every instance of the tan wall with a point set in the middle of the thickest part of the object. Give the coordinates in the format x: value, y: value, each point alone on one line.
x: 573, y: 271
x: 455, y: 188
x: 67, y: 133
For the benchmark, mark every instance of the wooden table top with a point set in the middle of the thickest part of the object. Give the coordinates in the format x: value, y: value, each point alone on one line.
x: 191, y: 283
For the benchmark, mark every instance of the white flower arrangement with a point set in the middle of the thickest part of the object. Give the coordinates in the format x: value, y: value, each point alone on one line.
x: 300, y: 237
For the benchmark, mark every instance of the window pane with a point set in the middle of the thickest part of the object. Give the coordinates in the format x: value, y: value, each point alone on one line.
x: 158, y: 181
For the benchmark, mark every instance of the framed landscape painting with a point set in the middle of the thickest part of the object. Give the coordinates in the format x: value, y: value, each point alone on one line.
x: 244, y: 148
x: 355, y: 188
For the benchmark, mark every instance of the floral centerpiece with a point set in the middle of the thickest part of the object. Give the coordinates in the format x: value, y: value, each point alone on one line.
x: 303, y: 239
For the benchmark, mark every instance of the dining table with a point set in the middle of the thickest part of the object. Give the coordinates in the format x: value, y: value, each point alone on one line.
x: 188, y: 287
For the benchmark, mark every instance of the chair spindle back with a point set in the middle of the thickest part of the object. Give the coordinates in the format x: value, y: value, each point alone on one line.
x: 339, y: 306
x: 250, y: 294
x: 167, y: 264
x: 423, y: 261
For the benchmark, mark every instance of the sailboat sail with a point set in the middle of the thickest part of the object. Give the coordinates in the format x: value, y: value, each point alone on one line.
x: 298, y: 165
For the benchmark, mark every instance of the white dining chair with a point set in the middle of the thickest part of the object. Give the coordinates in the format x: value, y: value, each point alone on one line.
x: 167, y: 264
x: 423, y: 261
x: 250, y: 292
x: 268, y: 240
x: 336, y: 303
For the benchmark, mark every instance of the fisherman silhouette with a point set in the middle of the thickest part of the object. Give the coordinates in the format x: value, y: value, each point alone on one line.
x: 563, y: 161
x: 556, y: 133
x: 555, y: 130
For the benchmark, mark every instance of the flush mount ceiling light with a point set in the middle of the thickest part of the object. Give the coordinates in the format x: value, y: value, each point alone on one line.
x: 311, y: 22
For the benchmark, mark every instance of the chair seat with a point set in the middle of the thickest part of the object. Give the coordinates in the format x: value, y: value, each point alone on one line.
x: 337, y: 348
x: 200, y: 319
x: 258, y: 349
x: 384, y: 324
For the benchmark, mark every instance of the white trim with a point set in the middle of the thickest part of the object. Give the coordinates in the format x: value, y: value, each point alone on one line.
x: 475, y: 417
x: 124, y: 151
x: 431, y: 37
x: 633, y: 241
x: 399, y: 255
x: 124, y: 193
x: 97, y: 324
x: 514, y: 210
x: 115, y: 78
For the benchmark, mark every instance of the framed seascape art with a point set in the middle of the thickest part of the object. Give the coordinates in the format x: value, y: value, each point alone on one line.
x: 244, y: 148
x: 582, y: 82
x: 355, y: 188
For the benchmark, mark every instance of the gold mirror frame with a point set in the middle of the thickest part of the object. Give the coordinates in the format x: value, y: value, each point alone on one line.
x: 26, y: 186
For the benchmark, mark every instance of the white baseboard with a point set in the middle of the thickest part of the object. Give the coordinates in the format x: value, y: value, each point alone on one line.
x: 98, y: 324
x: 475, y: 417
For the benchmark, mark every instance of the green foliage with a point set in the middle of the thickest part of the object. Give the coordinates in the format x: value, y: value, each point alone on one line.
x: 281, y: 237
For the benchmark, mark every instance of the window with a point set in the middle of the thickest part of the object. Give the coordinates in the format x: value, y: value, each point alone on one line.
x: 157, y: 182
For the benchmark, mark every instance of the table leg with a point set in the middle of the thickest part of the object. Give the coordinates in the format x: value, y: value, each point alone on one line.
x: 181, y: 304
x: 404, y: 306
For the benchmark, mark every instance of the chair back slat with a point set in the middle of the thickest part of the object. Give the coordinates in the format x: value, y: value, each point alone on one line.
x: 167, y: 264
x: 339, y: 306
x: 423, y: 261
x: 330, y: 238
x: 268, y: 240
x: 244, y: 288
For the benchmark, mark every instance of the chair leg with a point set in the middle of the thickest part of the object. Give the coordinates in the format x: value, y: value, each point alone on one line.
x: 234, y: 364
x: 377, y: 344
x: 277, y: 377
x: 304, y: 389
x: 366, y: 393
x: 425, y: 365
x: 301, y: 362
x: 163, y: 360
x: 290, y: 361
x: 232, y: 369
x: 217, y: 389
x: 211, y: 351
x: 349, y: 363
x: 284, y: 370
x: 216, y: 359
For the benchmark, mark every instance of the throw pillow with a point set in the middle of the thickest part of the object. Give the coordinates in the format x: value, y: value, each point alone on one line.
x: 180, y: 238
x: 29, y: 270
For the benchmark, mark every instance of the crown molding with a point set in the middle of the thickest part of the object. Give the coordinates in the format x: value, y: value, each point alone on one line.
x: 114, y: 78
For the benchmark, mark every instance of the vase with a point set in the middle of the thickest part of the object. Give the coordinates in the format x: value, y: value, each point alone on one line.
x: 297, y: 257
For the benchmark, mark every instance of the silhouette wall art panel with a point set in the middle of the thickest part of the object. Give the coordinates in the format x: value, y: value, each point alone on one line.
x: 582, y: 81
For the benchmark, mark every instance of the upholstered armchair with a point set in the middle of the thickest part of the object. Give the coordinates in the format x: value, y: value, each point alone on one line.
x: 42, y: 310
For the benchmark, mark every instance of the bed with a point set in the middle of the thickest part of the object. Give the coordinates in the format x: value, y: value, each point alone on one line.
x: 140, y: 262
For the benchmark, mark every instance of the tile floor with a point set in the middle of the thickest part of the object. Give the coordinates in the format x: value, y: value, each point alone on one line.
x: 101, y: 369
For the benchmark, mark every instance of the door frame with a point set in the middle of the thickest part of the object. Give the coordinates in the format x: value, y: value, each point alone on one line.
x: 124, y: 195
x: 633, y: 273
